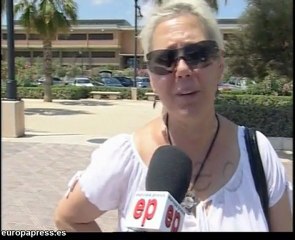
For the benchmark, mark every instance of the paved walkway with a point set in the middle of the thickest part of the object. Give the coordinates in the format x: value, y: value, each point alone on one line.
x: 60, y: 137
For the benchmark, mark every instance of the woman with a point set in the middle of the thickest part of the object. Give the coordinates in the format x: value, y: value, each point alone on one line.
x: 183, y: 48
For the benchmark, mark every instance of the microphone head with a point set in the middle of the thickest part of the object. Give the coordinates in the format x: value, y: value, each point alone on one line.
x: 170, y: 170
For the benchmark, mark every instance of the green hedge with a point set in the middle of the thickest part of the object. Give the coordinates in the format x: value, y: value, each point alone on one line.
x: 73, y: 92
x: 272, y: 115
x: 251, y: 100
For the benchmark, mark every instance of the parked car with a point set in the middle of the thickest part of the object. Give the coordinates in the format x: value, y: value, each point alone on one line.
x: 125, y: 81
x: 55, y: 81
x: 97, y: 83
x: 143, y: 82
x: 241, y: 82
x: 111, y: 82
x: 228, y: 87
x: 82, y: 82
x: 105, y: 73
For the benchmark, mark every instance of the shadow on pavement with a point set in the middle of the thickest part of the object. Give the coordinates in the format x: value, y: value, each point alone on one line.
x: 97, y: 140
x: 33, y: 131
x: 28, y: 135
x: 285, y: 154
x: 52, y: 111
x: 87, y: 103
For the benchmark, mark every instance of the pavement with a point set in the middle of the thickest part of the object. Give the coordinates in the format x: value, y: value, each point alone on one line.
x: 59, y: 139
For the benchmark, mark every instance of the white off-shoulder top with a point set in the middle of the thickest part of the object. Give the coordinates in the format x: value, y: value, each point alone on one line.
x: 116, y: 172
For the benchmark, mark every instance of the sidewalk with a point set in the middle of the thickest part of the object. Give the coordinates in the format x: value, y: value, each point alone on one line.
x: 60, y: 137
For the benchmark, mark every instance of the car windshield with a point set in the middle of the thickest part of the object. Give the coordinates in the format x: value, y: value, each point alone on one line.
x: 111, y: 81
x: 82, y: 80
x: 143, y: 80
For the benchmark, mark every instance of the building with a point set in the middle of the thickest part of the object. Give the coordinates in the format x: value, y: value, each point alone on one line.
x: 90, y: 43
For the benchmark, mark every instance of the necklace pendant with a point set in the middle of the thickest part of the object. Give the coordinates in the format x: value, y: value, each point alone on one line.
x: 190, y: 202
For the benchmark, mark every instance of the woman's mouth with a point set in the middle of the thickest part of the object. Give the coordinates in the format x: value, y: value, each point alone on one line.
x: 186, y: 93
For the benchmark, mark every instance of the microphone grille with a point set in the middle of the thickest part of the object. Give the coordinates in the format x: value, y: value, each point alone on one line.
x: 170, y: 169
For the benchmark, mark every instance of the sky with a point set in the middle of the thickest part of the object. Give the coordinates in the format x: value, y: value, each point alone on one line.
x: 124, y: 9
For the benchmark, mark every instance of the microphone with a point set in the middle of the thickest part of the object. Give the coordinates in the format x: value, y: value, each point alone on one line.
x: 158, y: 209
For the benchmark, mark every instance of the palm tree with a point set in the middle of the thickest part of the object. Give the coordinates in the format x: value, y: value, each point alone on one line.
x: 47, y: 18
x: 212, y: 3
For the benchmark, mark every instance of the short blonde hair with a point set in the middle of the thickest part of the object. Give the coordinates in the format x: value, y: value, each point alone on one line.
x: 172, y: 8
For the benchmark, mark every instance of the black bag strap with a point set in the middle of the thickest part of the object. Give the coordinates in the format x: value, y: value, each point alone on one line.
x: 257, y: 170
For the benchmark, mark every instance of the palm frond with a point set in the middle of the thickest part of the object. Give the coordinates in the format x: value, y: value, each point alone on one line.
x: 70, y: 9
x: 47, y: 17
x: 28, y: 14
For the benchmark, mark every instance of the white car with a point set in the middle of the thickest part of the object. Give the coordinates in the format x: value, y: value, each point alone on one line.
x: 82, y: 82
x: 55, y: 81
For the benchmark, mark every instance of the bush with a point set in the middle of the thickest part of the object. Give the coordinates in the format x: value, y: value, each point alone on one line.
x: 272, y: 84
x: 272, y: 115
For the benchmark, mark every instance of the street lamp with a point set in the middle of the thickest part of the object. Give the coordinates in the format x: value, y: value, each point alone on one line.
x: 11, y: 83
x: 137, y: 13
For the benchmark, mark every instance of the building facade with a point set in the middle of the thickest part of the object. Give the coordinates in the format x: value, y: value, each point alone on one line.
x: 90, y: 43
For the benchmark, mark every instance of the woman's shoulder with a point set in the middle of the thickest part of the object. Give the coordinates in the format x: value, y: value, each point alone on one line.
x: 148, y: 138
x: 115, y: 148
x: 274, y: 170
x: 262, y: 140
x: 117, y: 140
x: 113, y: 166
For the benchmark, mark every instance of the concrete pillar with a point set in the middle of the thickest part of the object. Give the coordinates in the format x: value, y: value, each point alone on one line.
x: 12, y: 119
x: 134, y: 93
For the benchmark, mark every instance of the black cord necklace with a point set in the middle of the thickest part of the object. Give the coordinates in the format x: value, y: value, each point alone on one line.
x: 190, y: 200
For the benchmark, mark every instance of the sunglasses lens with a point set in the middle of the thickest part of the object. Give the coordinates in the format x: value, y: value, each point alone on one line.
x: 159, y: 70
x: 161, y: 61
x: 200, y: 52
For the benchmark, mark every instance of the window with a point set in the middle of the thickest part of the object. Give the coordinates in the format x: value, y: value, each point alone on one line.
x: 20, y: 36
x: 69, y: 54
x: 37, y: 54
x: 74, y: 54
x: 26, y: 54
x: 101, y: 36
x: 55, y: 54
x: 17, y: 36
x: 74, y: 36
x: 34, y: 37
x: 81, y: 54
x: 103, y: 54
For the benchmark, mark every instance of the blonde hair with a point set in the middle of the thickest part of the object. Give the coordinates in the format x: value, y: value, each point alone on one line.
x: 172, y: 8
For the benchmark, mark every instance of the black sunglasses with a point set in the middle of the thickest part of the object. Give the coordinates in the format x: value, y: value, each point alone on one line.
x: 196, y: 55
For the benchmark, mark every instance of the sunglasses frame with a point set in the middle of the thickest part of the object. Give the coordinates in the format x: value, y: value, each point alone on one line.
x: 163, y: 61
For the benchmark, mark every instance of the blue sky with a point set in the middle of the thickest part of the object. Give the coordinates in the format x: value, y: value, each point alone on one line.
x: 124, y: 9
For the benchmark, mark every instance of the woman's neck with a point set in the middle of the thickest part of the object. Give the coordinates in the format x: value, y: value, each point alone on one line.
x: 192, y: 136
x: 191, y: 129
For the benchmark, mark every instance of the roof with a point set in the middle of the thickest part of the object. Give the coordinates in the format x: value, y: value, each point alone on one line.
x: 119, y: 22
x: 123, y: 22
x: 96, y: 24
x: 227, y: 21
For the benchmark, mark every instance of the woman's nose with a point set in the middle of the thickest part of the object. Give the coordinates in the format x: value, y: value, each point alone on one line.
x: 182, y: 70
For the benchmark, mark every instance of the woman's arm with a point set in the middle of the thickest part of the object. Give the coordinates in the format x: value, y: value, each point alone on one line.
x: 75, y: 213
x: 280, y: 215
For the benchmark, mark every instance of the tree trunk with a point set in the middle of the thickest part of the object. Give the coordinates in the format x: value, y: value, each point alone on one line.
x: 47, y: 70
